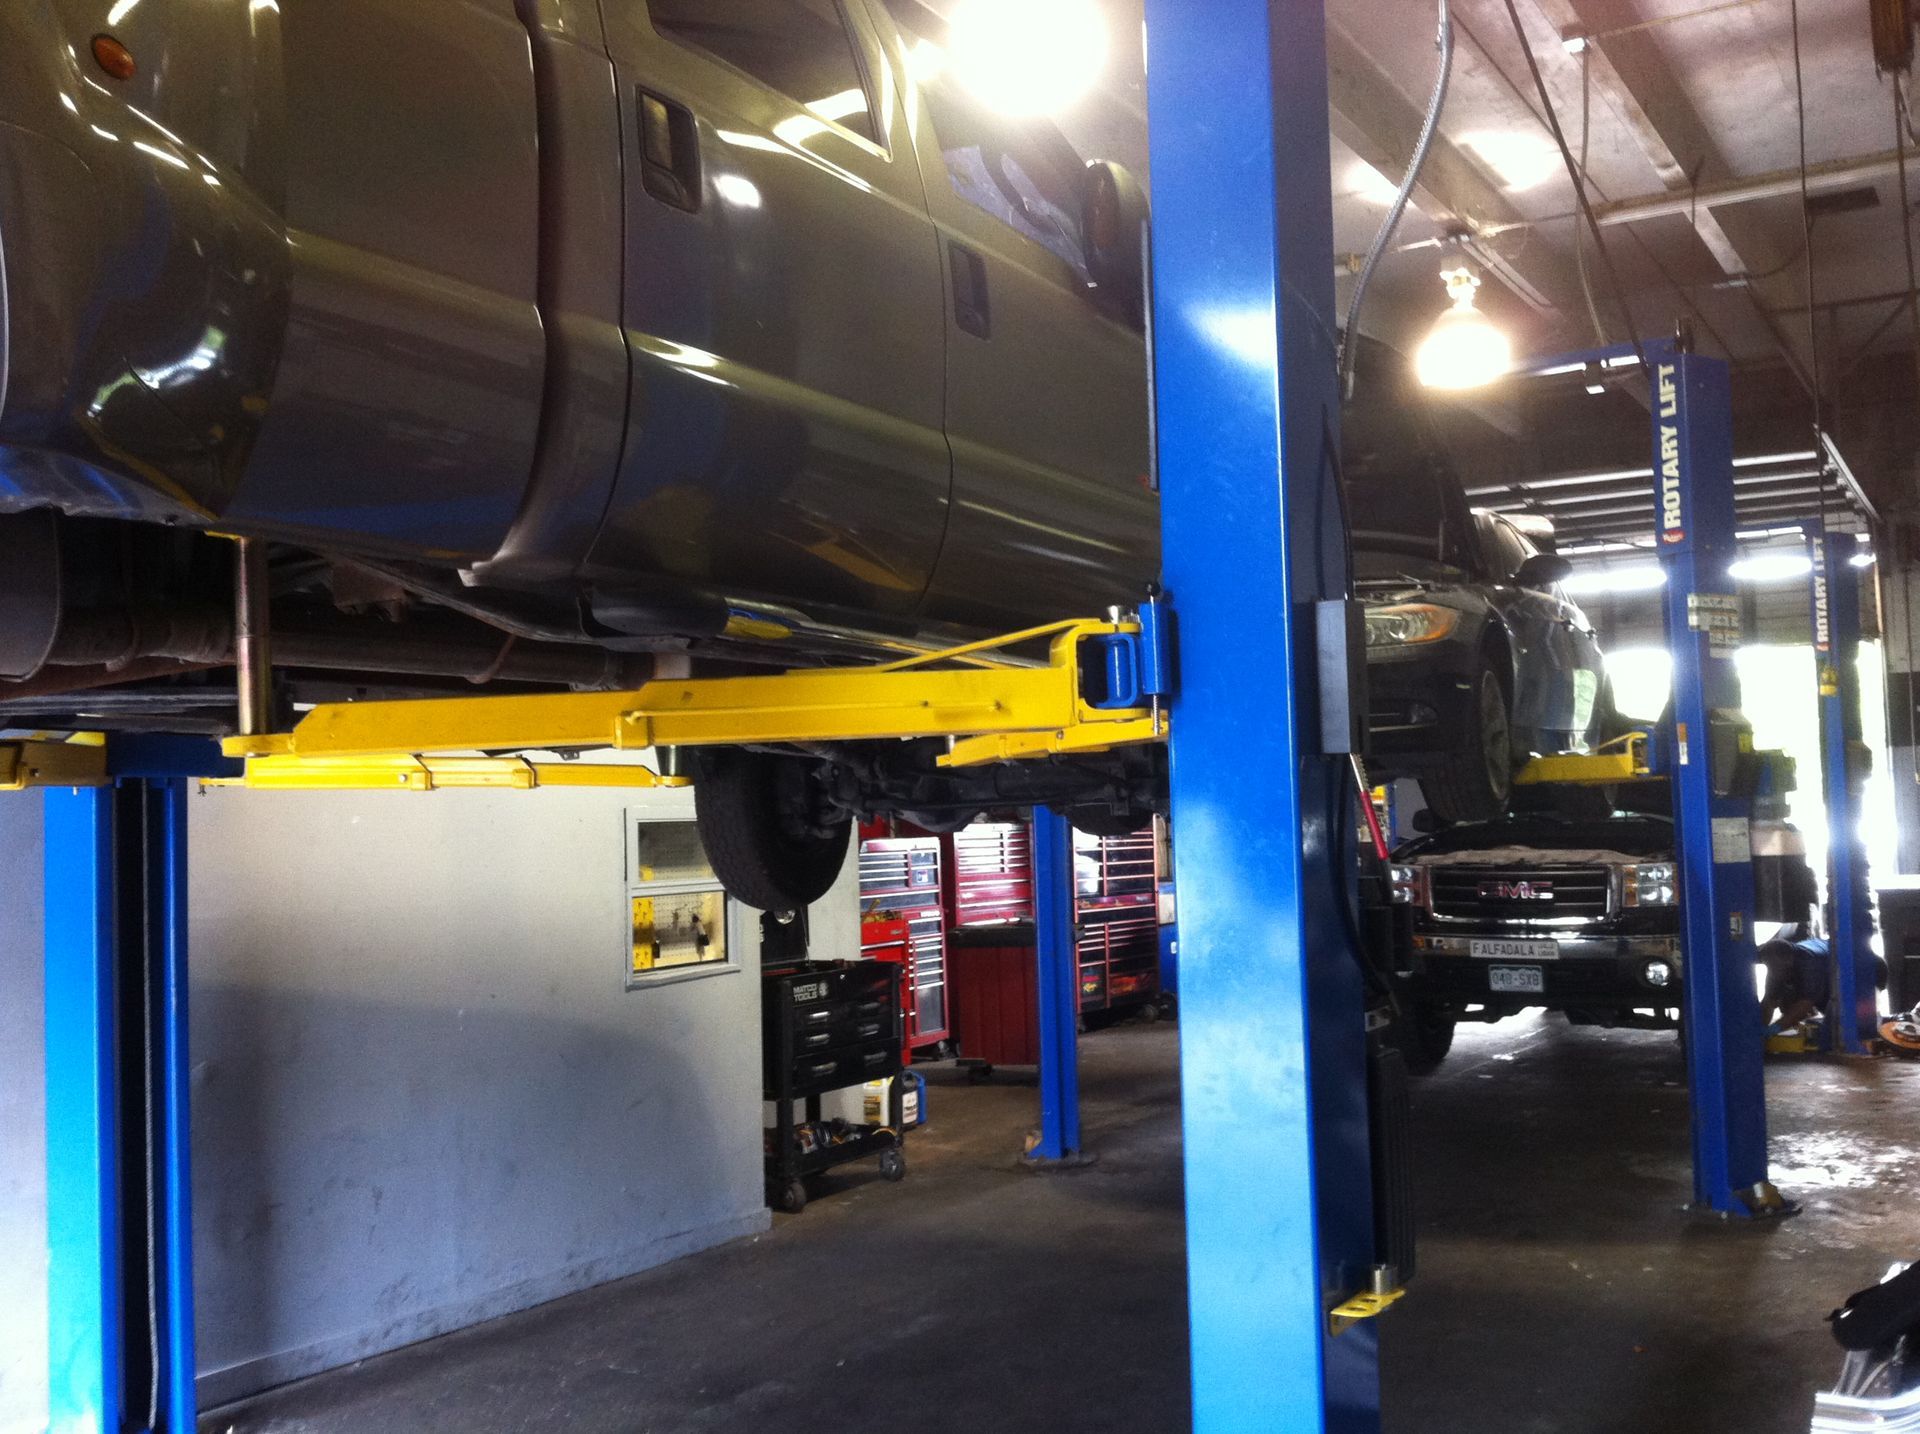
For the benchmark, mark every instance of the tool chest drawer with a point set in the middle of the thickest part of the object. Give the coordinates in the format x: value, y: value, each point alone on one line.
x: 828, y: 1025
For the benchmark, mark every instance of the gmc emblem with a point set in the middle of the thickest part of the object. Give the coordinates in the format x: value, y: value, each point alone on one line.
x: 1516, y: 891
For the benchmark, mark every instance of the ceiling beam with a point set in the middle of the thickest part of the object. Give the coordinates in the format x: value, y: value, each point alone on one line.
x: 1381, y: 125
x: 1631, y: 79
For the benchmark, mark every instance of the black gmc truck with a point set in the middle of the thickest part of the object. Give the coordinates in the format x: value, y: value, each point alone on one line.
x: 1579, y: 916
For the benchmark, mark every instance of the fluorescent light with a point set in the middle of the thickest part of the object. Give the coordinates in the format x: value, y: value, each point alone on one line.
x: 1523, y: 161
x: 1028, y: 57
x: 1770, y: 568
x: 1633, y: 578
x: 1861, y: 560
x: 1755, y: 459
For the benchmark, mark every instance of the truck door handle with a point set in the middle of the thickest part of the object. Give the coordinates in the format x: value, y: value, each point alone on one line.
x: 669, y: 152
x: 971, y: 309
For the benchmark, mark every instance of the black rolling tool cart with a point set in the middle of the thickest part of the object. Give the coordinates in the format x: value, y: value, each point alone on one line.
x: 828, y: 1025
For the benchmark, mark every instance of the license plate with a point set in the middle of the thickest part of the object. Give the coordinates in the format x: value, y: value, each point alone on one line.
x: 1531, y: 979
x: 1495, y: 949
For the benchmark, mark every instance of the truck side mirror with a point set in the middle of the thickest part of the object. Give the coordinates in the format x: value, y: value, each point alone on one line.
x: 1113, y: 228
x: 1542, y: 571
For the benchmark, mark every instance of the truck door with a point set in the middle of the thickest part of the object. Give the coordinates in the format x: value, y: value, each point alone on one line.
x: 1046, y: 393
x: 405, y: 152
x: 783, y: 310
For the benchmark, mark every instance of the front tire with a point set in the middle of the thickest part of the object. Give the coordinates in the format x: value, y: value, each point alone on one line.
x: 768, y: 836
x: 1424, y: 1037
x: 1477, y: 784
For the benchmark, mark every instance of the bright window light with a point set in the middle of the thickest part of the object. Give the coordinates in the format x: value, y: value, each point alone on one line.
x: 1523, y: 161
x: 1028, y: 57
x: 1632, y: 578
x: 1770, y: 568
x: 1642, y: 678
x: 1464, y: 349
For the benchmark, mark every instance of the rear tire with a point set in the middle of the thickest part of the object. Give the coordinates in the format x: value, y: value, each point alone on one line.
x: 764, y: 828
x: 1477, y: 784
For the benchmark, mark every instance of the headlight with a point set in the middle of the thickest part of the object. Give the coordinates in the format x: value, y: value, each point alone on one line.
x: 1404, y: 884
x: 1405, y: 624
x: 1651, y: 884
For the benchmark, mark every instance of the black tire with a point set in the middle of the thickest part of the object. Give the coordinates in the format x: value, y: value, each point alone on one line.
x: 752, y: 812
x: 790, y: 1198
x: 1477, y: 783
x: 1424, y: 1037
x: 1101, y: 822
x: 893, y: 1165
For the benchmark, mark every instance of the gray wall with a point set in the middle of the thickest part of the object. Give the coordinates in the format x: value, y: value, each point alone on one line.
x: 23, y: 1184
x: 422, y: 1096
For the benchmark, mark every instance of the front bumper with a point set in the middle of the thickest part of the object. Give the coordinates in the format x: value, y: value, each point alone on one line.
x: 1420, y: 703
x: 1606, y: 973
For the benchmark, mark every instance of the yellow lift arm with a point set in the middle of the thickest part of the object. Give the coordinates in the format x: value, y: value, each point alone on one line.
x: 993, y: 711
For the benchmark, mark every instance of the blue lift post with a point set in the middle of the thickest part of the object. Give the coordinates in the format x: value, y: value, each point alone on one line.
x: 1854, y: 1017
x: 1273, y: 1054
x: 119, y: 1214
x: 1057, y: 985
x: 1694, y: 520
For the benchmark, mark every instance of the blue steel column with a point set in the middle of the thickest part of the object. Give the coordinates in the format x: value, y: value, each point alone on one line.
x: 178, y: 1403
x: 85, y: 1359
x: 1855, y: 1013
x: 1058, y: 983
x: 1273, y: 1073
x: 1694, y: 519
x: 118, y: 1098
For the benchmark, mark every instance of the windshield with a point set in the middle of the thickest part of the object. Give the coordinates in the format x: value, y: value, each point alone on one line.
x: 1400, y: 529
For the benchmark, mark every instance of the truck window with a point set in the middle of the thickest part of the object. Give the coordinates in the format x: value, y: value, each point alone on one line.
x: 799, y: 47
x: 1022, y: 172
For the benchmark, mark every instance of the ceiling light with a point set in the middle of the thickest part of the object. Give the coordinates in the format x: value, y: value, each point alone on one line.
x: 1635, y: 578
x: 1596, y: 379
x: 1770, y: 568
x: 1861, y: 560
x: 1028, y: 57
x: 1464, y: 348
x: 1523, y: 161
x: 1367, y: 183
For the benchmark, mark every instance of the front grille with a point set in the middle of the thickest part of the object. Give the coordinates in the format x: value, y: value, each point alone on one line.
x: 1519, y: 893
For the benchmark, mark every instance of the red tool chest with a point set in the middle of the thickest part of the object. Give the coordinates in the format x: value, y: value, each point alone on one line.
x: 1116, y: 919
x: 903, y: 919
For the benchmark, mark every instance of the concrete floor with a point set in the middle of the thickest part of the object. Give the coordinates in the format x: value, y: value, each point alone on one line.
x: 1561, y: 1289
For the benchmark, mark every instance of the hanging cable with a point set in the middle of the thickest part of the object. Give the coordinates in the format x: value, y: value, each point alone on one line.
x: 1902, y: 120
x: 1579, y: 189
x: 1350, y: 343
x: 1579, y: 237
x: 1806, y: 221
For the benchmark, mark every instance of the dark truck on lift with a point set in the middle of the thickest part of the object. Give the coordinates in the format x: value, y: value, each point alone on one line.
x: 563, y: 344
x: 1579, y: 916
